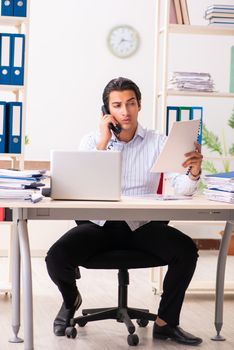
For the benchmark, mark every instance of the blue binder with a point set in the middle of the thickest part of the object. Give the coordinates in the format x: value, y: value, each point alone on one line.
x: 7, y: 7
x: 14, y: 127
x: 197, y: 113
x: 5, y: 60
x: 20, y: 8
x: 17, y: 59
x: 184, y: 113
x: 227, y: 175
x: 173, y: 115
x: 2, y: 126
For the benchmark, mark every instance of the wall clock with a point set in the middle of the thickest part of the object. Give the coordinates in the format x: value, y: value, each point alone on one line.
x: 123, y: 41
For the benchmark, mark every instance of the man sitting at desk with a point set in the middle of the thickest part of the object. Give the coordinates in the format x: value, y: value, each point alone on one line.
x: 140, y: 148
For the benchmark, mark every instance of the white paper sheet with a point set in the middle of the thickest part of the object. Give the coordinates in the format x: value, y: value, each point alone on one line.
x: 180, y: 141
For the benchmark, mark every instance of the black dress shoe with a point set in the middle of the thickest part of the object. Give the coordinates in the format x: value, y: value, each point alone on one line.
x: 176, y: 334
x: 62, y: 320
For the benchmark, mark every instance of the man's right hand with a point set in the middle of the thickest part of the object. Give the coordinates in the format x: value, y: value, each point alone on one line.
x: 105, y: 132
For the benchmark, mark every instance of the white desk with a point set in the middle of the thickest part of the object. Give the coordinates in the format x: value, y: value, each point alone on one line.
x: 127, y: 209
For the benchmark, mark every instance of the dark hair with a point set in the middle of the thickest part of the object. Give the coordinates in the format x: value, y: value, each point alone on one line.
x: 120, y: 84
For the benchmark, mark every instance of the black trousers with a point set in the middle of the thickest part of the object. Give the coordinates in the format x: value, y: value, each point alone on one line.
x: 169, y: 246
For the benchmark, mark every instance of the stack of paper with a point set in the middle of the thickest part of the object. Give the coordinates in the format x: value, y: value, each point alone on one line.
x: 220, y: 15
x: 191, y: 81
x: 220, y: 187
x: 16, y: 184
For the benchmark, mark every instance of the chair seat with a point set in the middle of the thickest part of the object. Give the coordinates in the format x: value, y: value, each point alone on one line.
x: 121, y: 259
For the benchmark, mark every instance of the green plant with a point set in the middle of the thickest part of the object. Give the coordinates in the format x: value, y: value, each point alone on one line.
x: 214, y: 144
x: 26, y: 140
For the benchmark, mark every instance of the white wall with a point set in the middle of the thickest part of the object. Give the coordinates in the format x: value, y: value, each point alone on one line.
x: 69, y: 65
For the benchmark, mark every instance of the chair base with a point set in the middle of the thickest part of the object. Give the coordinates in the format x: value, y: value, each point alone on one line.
x: 121, y: 313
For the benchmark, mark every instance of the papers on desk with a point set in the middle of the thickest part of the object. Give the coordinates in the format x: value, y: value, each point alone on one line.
x: 16, y: 185
x: 25, y: 175
x: 16, y: 194
x: 22, y: 173
x: 219, y: 195
x: 220, y: 187
x: 21, y: 184
x: 180, y: 141
x: 163, y: 197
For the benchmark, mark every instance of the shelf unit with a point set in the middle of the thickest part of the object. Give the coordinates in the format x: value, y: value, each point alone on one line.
x: 163, y: 31
x: 198, y: 30
x: 199, y: 94
x: 18, y: 25
x: 161, y: 51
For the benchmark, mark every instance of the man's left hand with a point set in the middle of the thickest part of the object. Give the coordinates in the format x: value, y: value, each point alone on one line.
x: 194, y: 160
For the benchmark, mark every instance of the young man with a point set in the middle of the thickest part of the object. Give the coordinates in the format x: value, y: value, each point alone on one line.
x: 140, y: 148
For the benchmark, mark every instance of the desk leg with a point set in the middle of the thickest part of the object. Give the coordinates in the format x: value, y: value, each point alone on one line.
x: 220, y: 276
x: 27, y: 283
x: 15, y: 283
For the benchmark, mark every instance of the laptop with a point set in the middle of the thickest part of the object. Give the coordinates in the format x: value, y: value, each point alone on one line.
x: 86, y: 175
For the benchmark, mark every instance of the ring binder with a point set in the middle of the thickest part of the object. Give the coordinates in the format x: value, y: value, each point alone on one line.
x: 2, y: 126
x: 20, y: 8
x: 14, y: 127
x: 6, y: 7
x: 17, y: 59
x: 5, y: 64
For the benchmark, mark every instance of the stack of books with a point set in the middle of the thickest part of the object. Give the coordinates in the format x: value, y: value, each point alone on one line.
x: 220, y: 15
x: 220, y: 187
x: 191, y: 81
x: 26, y: 184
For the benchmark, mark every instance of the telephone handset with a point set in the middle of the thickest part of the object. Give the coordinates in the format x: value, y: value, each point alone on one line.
x: 116, y: 129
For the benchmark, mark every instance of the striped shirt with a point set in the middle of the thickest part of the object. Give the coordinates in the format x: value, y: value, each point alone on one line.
x: 138, y: 157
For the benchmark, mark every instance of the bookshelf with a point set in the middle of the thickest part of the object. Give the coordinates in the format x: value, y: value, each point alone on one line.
x: 198, y: 30
x: 162, y: 39
x: 14, y: 93
x: 197, y: 93
x: 164, y: 33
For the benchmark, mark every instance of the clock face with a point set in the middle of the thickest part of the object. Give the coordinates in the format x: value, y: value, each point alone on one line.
x: 123, y: 41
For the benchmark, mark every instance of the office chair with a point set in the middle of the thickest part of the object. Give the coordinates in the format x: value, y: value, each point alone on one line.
x: 121, y: 260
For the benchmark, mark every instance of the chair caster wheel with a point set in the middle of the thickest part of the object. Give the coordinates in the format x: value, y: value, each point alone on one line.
x: 81, y: 323
x: 132, y: 339
x: 71, y: 332
x: 142, y: 322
